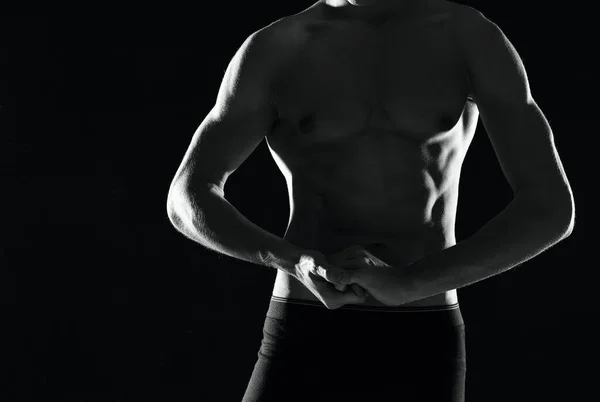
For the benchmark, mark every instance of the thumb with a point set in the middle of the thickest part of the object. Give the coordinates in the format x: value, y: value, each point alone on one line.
x: 354, y: 295
x: 358, y: 290
x: 339, y: 276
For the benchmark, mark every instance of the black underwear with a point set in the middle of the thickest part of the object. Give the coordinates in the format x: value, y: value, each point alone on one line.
x: 359, y: 353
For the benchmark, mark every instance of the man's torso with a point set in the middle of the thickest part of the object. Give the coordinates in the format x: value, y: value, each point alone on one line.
x: 374, y: 122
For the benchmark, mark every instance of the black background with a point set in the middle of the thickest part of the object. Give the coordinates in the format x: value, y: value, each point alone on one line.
x: 105, y: 301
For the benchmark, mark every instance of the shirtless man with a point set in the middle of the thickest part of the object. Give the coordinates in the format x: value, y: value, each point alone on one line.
x: 368, y: 109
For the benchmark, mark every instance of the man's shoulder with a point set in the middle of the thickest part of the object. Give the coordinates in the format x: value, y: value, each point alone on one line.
x: 469, y: 21
x: 283, y: 32
x: 464, y: 11
x: 473, y: 30
x: 271, y: 44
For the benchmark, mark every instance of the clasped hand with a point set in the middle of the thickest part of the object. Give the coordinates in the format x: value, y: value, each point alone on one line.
x: 349, y: 276
x: 359, y: 267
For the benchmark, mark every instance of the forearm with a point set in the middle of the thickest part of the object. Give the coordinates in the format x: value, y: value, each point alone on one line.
x: 213, y: 222
x: 517, y: 234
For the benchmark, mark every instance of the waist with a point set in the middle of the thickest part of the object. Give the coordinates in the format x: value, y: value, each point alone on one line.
x: 417, y: 319
x: 287, y: 287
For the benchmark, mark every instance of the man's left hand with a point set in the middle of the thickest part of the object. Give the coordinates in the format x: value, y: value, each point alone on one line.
x: 378, y: 278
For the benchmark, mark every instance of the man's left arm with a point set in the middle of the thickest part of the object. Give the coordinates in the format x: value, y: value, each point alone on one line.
x: 542, y: 211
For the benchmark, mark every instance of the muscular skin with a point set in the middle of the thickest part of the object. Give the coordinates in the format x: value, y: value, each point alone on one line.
x: 369, y: 118
x: 373, y: 127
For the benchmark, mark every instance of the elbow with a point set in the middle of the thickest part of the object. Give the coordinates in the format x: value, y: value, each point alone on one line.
x: 563, y: 214
x: 566, y: 211
x: 175, y: 206
x: 172, y: 211
x: 568, y: 222
x: 185, y: 209
x: 565, y: 223
x: 557, y: 211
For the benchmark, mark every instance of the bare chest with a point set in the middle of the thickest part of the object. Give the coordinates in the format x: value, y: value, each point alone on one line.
x: 344, y: 79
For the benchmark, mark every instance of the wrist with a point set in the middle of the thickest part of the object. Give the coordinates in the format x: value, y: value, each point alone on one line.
x: 407, y: 284
x: 284, y: 257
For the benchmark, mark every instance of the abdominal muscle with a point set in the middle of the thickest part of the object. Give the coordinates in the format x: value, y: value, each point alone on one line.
x: 388, y: 193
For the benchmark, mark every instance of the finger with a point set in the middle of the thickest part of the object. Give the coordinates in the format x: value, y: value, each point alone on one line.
x: 345, y: 264
x: 351, y: 296
x: 341, y: 288
x: 360, y: 292
x: 330, y: 274
x: 341, y: 299
x: 337, y: 276
x: 336, y: 259
x: 333, y: 299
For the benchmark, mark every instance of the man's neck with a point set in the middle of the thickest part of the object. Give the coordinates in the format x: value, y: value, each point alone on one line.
x: 373, y: 5
x: 375, y: 10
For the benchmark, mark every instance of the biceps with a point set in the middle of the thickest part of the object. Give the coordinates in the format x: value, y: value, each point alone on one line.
x: 524, y: 144
x: 220, y: 145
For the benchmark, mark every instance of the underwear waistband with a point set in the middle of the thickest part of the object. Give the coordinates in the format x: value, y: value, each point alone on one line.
x: 390, y: 309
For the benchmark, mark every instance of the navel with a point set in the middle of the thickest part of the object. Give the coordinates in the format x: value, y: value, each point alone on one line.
x: 306, y: 124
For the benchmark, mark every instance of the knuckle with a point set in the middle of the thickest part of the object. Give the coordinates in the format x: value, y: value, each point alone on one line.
x: 331, y: 304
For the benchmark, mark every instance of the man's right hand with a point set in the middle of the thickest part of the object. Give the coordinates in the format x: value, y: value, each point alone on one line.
x: 324, y: 280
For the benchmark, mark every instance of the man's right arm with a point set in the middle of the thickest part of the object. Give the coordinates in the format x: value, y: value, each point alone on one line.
x: 241, y: 117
